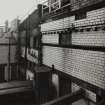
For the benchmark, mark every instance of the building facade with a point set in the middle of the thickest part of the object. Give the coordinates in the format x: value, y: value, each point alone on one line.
x: 30, y: 36
x: 8, y: 66
x: 72, y: 42
x: 73, y: 37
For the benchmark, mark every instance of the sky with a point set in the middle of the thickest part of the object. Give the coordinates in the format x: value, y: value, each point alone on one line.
x: 11, y: 9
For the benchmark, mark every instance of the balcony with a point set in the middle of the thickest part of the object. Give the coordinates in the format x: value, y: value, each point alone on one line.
x: 51, y: 8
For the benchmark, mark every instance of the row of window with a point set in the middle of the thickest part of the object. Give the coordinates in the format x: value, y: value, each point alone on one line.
x: 31, y: 42
x: 13, y: 73
x: 2, y: 73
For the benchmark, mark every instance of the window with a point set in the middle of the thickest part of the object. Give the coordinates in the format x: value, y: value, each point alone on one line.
x: 2, y: 73
x: 80, y: 15
x: 14, y: 72
x: 31, y: 42
x: 65, y: 39
x: 36, y: 42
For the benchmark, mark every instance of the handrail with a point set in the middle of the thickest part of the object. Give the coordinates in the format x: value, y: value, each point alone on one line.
x: 67, y: 99
x: 14, y: 87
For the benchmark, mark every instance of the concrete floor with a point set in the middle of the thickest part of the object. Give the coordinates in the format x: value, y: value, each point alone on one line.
x: 18, y: 99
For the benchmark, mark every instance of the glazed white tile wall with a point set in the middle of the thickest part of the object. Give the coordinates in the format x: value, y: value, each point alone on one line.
x: 92, y: 38
x: 89, y: 66
x: 54, y: 25
x: 86, y: 65
x: 58, y: 24
x: 83, y: 64
x: 93, y: 17
x: 50, y: 38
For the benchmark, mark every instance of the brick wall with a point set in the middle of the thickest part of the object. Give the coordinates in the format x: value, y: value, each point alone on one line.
x: 58, y: 24
x: 92, y: 38
x: 93, y: 17
x: 50, y: 38
x: 83, y: 64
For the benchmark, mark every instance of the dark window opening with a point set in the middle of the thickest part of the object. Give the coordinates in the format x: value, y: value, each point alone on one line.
x: 31, y: 42
x: 80, y: 15
x: 2, y: 73
x: 36, y: 43
x: 14, y: 72
x: 65, y: 39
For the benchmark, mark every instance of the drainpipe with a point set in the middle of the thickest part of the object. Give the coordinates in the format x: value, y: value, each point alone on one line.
x: 26, y: 51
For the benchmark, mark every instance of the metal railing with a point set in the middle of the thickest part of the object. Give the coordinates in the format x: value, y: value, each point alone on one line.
x: 15, y: 87
x: 48, y: 7
x: 67, y: 99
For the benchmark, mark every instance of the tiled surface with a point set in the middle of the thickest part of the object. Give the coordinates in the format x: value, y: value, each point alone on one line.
x: 50, y: 38
x: 93, y: 17
x: 58, y: 24
x: 92, y: 38
x: 83, y: 64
